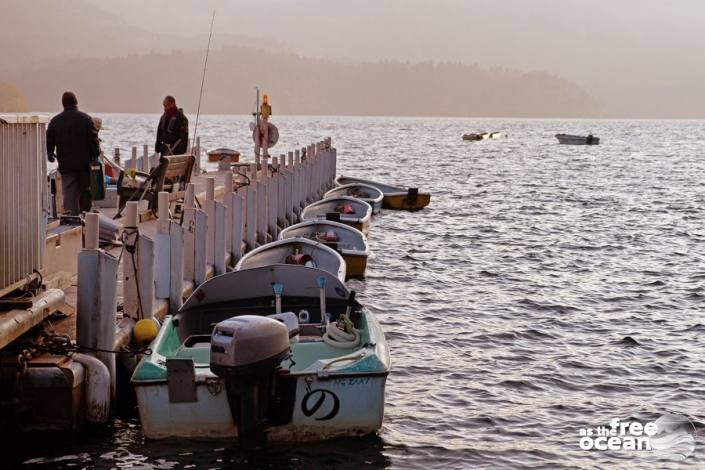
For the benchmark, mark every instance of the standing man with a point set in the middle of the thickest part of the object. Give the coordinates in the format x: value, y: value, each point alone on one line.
x: 172, y: 133
x: 264, y: 112
x: 74, y: 138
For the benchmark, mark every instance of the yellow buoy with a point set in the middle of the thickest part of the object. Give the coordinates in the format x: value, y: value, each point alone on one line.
x: 145, y: 331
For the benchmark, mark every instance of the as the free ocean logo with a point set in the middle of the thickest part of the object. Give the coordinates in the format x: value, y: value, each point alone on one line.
x: 669, y: 436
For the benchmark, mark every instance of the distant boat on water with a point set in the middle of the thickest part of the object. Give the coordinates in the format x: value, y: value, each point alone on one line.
x: 483, y: 136
x: 569, y: 139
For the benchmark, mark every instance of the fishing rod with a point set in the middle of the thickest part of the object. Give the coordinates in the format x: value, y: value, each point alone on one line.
x: 203, y: 80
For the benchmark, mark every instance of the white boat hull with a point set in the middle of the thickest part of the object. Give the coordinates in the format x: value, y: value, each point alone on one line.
x: 323, y: 390
x: 567, y: 139
x: 374, y: 195
x: 359, y: 410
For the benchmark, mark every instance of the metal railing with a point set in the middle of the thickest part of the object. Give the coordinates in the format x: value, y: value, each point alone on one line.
x: 23, y: 198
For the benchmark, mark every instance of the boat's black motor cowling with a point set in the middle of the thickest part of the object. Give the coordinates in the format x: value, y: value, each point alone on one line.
x: 246, y: 351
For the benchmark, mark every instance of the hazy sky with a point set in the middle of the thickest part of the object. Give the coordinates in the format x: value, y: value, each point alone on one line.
x: 642, y: 53
x: 637, y: 57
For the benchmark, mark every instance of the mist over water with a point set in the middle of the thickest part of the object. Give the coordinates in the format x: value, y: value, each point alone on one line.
x: 545, y: 289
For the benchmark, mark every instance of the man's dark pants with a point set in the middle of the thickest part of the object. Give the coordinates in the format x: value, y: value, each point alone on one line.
x: 76, y: 187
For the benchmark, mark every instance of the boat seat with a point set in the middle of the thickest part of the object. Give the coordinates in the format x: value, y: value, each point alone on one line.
x: 197, y: 341
x: 196, y: 347
x: 300, y: 259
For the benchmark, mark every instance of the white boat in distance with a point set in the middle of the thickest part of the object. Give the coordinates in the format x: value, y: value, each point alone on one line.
x: 568, y: 139
x: 483, y: 136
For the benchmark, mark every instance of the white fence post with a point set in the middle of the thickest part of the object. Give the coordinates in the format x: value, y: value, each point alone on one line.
x: 145, y: 158
x: 251, y: 227
x: 262, y: 212
x: 273, y: 200
x: 176, y: 276
x: 210, y: 212
x: 129, y: 268
x: 162, y: 245
x: 237, y: 205
x: 296, y: 200
x: 96, y: 301
x: 309, y: 175
x: 289, y: 189
x: 227, y: 202
x: 219, y: 238
x: 197, y: 154
x: 281, y: 193
x: 189, y: 232
x: 145, y: 275
x: 334, y: 163
x: 133, y: 160
x: 200, y: 235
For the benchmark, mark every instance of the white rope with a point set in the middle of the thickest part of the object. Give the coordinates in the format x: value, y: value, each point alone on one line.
x: 338, y: 338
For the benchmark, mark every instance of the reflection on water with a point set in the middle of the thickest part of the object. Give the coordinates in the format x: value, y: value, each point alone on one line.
x: 545, y: 289
x: 124, y: 447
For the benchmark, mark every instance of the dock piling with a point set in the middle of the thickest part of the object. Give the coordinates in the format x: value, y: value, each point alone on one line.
x: 92, y: 231
x: 96, y: 301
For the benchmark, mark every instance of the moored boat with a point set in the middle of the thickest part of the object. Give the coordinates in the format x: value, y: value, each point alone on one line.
x: 364, y: 192
x: 346, y: 240
x: 394, y: 197
x: 223, y: 154
x: 345, y: 209
x: 482, y: 136
x: 274, y: 353
x: 569, y: 139
x: 296, y: 251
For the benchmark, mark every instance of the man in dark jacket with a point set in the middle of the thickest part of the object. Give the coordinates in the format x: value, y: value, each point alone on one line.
x: 74, y: 137
x: 172, y: 133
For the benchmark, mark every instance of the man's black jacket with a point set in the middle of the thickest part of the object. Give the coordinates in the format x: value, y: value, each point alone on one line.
x: 74, y: 136
x: 172, y: 134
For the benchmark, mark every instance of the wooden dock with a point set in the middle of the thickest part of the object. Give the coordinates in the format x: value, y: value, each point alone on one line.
x: 96, y: 295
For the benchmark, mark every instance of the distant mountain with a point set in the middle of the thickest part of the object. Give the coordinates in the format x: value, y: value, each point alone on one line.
x: 52, y: 31
x: 51, y: 46
x: 300, y: 85
x: 640, y: 58
x: 11, y: 100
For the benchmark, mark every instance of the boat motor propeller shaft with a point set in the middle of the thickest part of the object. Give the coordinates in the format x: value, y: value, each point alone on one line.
x: 247, y: 351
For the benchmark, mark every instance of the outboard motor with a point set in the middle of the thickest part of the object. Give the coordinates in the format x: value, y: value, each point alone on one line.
x: 247, y: 351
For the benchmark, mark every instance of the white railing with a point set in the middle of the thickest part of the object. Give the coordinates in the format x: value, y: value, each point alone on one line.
x: 208, y: 242
x: 23, y: 198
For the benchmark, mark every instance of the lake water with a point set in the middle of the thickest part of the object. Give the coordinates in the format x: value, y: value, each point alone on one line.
x: 546, y: 289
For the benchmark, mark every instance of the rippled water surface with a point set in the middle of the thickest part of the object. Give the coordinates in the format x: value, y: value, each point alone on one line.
x: 545, y: 289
